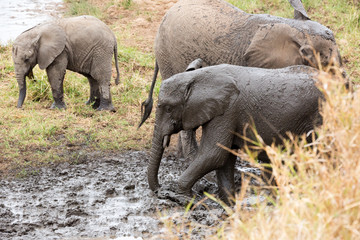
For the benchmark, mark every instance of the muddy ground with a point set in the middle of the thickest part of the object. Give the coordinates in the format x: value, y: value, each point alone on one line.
x: 100, y: 197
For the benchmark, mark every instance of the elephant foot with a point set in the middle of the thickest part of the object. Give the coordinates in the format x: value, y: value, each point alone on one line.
x: 109, y: 107
x: 95, y: 103
x: 171, y: 192
x: 60, y: 105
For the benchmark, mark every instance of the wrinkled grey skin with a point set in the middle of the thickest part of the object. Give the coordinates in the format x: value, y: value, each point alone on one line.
x: 218, y: 32
x: 224, y: 99
x: 81, y: 44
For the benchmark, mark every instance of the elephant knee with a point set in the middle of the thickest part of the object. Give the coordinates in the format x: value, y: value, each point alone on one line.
x: 105, y: 92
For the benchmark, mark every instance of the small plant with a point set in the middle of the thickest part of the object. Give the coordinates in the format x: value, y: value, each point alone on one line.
x: 127, y: 3
x: 39, y: 89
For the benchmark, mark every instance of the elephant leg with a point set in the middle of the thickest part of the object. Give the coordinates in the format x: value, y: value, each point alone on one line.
x: 268, y: 177
x: 225, y: 179
x: 94, y: 93
x: 187, y: 145
x: 56, y: 73
x: 101, y: 73
x: 105, y: 98
x: 209, y: 156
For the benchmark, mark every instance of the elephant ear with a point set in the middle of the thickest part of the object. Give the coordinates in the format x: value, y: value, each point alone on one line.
x: 207, y: 96
x: 196, y: 64
x: 308, y: 54
x: 274, y: 46
x: 299, y: 10
x: 51, y: 44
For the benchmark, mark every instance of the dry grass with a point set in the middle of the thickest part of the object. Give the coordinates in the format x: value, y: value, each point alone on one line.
x: 321, y: 199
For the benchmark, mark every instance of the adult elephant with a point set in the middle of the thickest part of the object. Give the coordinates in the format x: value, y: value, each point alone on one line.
x: 81, y: 44
x: 218, y: 32
x: 223, y: 100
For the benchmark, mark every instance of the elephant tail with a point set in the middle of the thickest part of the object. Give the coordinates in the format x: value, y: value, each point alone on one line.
x: 299, y: 10
x: 147, y: 105
x: 116, y: 65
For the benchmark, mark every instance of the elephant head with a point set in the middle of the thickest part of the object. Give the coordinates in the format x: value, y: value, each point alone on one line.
x: 295, y: 42
x: 298, y: 41
x: 186, y: 101
x: 38, y: 45
x: 147, y: 105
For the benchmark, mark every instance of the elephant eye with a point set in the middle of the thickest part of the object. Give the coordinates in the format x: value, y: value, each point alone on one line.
x: 168, y: 109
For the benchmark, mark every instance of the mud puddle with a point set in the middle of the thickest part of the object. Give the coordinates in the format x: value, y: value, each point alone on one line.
x: 99, y: 198
x: 17, y: 16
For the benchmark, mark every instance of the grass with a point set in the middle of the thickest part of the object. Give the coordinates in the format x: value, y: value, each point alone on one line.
x: 127, y: 3
x: 319, y: 201
x: 35, y: 135
x: 83, y: 7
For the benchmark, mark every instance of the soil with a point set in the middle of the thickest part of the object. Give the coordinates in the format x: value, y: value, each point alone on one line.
x: 100, y: 197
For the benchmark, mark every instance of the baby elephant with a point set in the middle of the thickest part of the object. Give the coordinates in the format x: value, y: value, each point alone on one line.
x: 81, y: 44
x: 223, y: 99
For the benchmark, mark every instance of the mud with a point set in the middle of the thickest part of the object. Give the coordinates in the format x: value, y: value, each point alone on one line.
x: 103, y: 197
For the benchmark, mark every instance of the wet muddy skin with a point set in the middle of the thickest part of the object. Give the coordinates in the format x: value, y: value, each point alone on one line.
x: 99, y: 198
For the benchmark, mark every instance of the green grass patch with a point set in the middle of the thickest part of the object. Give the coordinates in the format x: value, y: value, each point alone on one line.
x: 127, y: 3
x: 83, y: 7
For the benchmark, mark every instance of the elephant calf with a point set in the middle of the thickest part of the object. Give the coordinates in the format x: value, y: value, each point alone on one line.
x: 81, y: 44
x: 223, y: 99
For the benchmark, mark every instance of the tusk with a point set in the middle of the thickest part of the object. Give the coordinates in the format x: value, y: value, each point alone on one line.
x: 166, y: 141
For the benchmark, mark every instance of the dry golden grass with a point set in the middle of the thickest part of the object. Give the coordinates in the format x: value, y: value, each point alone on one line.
x: 321, y: 200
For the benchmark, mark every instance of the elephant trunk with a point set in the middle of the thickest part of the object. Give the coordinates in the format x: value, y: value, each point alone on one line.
x: 22, y: 89
x: 157, y: 150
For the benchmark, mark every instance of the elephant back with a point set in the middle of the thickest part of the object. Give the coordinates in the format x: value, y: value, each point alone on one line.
x: 87, y: 37
x: 203, y: 29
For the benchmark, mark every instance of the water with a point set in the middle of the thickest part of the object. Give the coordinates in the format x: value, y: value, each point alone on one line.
x: 17, y: 16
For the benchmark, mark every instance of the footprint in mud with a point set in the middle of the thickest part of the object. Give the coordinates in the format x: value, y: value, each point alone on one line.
x: 102, y: 197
